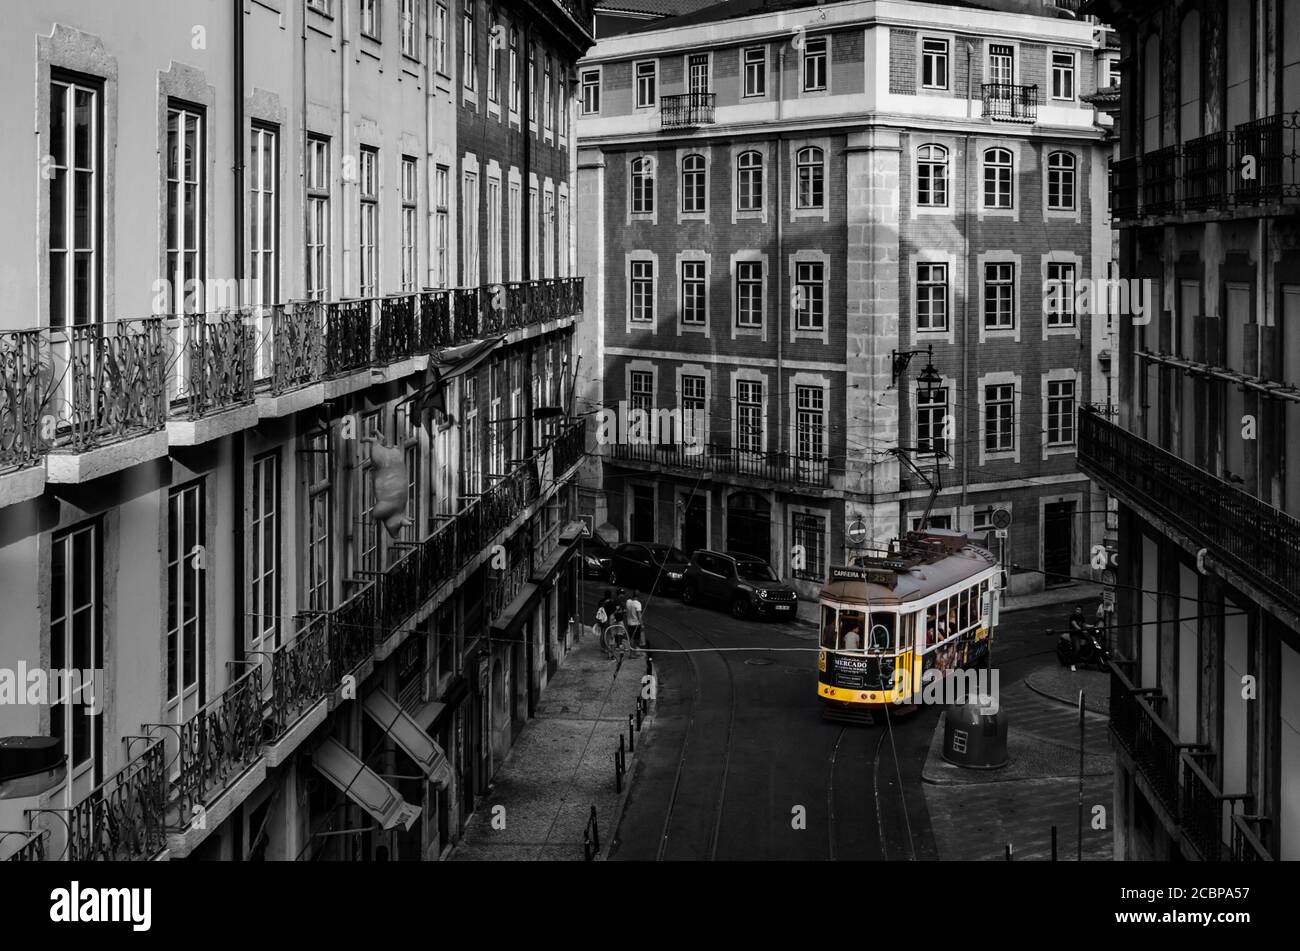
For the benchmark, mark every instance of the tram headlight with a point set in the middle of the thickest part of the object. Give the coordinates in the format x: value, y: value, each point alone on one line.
x: 674, y: 576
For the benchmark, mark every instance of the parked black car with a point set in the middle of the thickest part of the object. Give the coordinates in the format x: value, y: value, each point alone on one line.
x: 648, y: 567
x: 597, y: 556
x: 745, y: 583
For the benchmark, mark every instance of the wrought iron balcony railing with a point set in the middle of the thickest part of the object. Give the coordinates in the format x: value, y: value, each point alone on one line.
x: 686, y: 111
x: 1124, y: 188
x: 1137, y: 726
x: 776, y: 467
x: 1205, y: 812
x: 301, y: 673
x: 1160, y: 181
x: 1249, y: 839
x: 1010, y: 102
x: 79, y: 388
x: 32, y: 847
x: 123, y: 819
x: 1206, y: 172
x: 1256, y: 540
x: 1272, y: 145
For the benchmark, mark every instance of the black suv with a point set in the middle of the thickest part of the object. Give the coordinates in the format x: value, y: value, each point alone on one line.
x: 597, y: 556
x: 743, y: 582
x: 648, y: 567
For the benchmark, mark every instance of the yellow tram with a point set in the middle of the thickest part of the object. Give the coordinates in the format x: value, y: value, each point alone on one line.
x: 926, y: 604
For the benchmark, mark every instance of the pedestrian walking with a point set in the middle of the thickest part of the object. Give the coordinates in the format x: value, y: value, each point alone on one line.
x: 634, y: 610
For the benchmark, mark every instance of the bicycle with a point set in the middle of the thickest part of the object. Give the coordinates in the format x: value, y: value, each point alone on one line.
x: 614, y: 639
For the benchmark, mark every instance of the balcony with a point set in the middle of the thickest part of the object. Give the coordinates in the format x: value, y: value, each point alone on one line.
x: 687, y: 111
x: 1008, y: 102
x: 776, y: 467
x: 77, y: 389
x: 1255, y: 540
x: 1212, y: 174
x: 1249, y: 839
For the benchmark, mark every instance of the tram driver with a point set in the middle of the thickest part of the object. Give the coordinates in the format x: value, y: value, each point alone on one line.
x: 852, y: 639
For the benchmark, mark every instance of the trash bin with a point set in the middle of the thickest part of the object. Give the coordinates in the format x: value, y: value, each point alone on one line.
x: 973, y: 736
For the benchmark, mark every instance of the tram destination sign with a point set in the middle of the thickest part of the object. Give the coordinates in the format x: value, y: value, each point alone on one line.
x: 881, y: 574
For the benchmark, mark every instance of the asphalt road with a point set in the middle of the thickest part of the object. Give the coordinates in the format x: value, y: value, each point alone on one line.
x: 740, y: 764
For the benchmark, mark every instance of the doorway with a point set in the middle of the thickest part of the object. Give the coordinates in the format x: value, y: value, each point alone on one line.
x: 749, y: 525
x: 695, y: 523
x: 641, y: 520
x: 1058, y: 542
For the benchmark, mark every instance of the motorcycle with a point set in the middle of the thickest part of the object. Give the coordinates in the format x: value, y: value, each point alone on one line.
x: 1093, y: 650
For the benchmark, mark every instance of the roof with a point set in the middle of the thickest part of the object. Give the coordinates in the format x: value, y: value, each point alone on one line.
x: 736, y: 9
x: 914, y: 584
x: 663, y: 8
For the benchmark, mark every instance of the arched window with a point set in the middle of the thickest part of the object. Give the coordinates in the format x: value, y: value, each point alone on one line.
x: 693, y: 193
x: 932, y: 176
x: 749, y: 181
x: 1060, y: 181
x: 997, y: 178
x: 811, y: 171
x: 643, y: 186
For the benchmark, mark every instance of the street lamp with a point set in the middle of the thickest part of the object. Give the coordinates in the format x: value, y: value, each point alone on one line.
x: 900, y: 359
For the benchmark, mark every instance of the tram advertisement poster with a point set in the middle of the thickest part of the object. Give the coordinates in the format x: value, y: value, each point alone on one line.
x: 851, y: 672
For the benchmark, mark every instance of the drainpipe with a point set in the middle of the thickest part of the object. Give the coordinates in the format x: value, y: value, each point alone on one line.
x: 345, y: 92
x: 965, y: 304
x: 237, y: 441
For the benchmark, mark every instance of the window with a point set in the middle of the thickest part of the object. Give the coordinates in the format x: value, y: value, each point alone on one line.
x: 548, y: 235
x: 467, y: 46
x: 755, y: 59
x: 186, y: 587
x: 694, y: 402
x: 410, y: 224
x: 931, y: 297
x: 494, y: 62
x: 931, y: 411
x: 643, y: 291
x: 264, y: 214
x: 494, y: 230
x: 693, y: 184
x: 473, y: 460
x: 469, y: 231
x: 811, y: 172
x: 1114, y: 70
x: 320, y: 6
x: 643, y: 187
x: 319, y: 467
x: 1060, y: 412
x: 590, y: 92
x: 370, y: 18
x: 369, y: 174
x: 693, y: 292
x: 532, y: 84
x: 809, y: 533
x: 697, y: 75
x: 264, y: 554
x: 441, y: 185
x: 642, y: 394
x: 810, y: 422
x: 1060, y: 181
x: 409, y: 26
x: 365, y: 530
x: 407, y: 433
x: 1002, y: 68
x: 1060, y: 294
x: 999, y: 296
x: 514, y: 70
x: 1062, y: 75
x: 749, y: 181
x: 562, y: 236
x: 997, y: 178
x: 496, y: 435
x: 548, y: 122
x: 186, y: 207
x: 999, y: 410
x: 76, y: 204
x: 810, y: 296
x: 77, y: 639
x: 932, y: 176
x: 934, y: 64
x: 444, y: 453
x: 814, y: 64
x: 516, y: 233
x: 533, y: 230
x: 318, y: 218
x: 440, y: 37
x: 646, y: 74
x: 749, y: 294
x: 749, y: 415
x: 562, y: 106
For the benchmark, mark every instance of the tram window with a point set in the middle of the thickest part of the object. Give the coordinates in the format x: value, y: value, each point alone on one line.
x: 931, y: 626
x: 984, y: 598
x: 852, y: 624
x: 963, y: 618
x: 952, y: 616
x: 882, y: 632
x: 828, y: 628
x: 906, y: 631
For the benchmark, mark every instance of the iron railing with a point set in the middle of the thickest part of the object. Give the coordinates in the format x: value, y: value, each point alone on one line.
x: 776, y: 467
x: 1258, y: 541
x: 686, y: 111
x: 1010, y: 102
x: 1160, y: 181
x: 1249, y: 839
x: 1206, y: 172
x: 211, y: 362
x: 1205, y: 811
x: 1138, y: 727
x: 301, y: 673
x: 397, y: 337
x: 1272, y: 146
x: 116, y: 374
x: 1124, y: 188
x: 28, y: 391
x: 33, y: 844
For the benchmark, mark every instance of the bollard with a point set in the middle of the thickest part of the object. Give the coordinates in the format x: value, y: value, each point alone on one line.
x: 1008, y: 851
x: 631, y: 736
x: 618, y: 773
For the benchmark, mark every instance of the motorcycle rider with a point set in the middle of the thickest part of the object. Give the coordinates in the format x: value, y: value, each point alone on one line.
x: 1078, y: 633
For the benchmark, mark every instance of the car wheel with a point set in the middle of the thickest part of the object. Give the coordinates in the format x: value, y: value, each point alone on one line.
x: 688, y: 594
x: 613, y: 576
x: 740, y: 607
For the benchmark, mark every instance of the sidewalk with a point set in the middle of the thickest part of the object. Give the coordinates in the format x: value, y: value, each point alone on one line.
x: 975, y: 814
x: 561, y: 764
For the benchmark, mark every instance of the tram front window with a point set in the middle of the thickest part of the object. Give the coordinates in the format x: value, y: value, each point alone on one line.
x: 884, y: 629
x: 851, y: 627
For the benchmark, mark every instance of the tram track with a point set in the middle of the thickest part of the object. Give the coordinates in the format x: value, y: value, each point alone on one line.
x: 719, y: 798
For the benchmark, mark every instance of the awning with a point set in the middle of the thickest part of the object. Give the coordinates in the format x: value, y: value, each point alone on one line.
x: 557, y: 559
x: 407, y: 733
x: 363, y: 786
x: 517, y: 612
x: 456, y: 360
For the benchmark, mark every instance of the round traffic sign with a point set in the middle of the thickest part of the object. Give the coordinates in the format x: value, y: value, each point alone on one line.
x: 1001, y: 518
x: 857, y: 531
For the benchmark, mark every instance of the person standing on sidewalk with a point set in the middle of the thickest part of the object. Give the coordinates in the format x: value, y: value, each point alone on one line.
x: 634, y: 610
